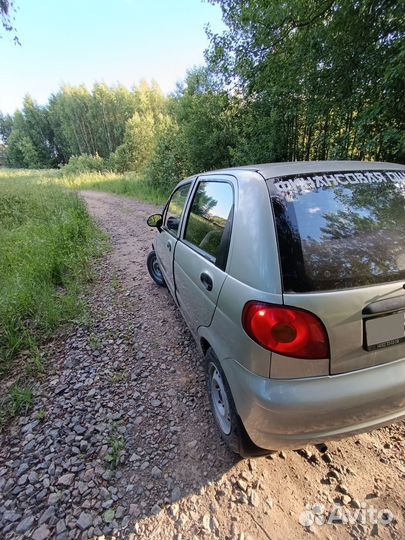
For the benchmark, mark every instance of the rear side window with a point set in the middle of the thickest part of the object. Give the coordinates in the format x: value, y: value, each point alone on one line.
x: 175, y: 209
x: 340, y: 230
x: 209, y: 222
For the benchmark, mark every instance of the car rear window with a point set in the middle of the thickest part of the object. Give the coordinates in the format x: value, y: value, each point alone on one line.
x: 339, y: 230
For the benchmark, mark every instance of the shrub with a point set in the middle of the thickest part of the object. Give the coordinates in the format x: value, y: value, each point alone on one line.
x: 169, y: 164
x: 138, y: 145
x: 85, y: 163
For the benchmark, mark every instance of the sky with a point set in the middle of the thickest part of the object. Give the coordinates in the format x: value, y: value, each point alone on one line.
x: 111, y: 41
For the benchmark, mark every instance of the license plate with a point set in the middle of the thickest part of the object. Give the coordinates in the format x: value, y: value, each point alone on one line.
x: 384, y: 331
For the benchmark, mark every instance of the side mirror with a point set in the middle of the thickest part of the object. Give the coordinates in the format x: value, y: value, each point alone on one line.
x: 155, y: 220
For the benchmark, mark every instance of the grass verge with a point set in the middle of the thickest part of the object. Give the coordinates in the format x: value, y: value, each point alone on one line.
x: 47, y: 240
x: 130, y: 185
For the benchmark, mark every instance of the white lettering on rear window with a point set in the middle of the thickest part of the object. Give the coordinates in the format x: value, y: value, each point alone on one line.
x: 309, y: 183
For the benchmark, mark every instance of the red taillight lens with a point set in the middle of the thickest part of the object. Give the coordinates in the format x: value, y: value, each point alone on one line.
x: 285, y: 330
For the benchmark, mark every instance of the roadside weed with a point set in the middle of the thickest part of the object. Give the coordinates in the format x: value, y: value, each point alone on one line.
x: 116, y: 444
x: 20, y: 399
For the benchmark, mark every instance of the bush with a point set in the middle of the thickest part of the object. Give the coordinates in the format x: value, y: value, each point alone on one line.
x: 138, y: 145
x: 21, y: 152
x: 85, y: 163
x: 168, y: 165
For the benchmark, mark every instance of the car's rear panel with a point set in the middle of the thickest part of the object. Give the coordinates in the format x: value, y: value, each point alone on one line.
x: 341, y: 239
x: 347, y: 325
x: 292, y: 413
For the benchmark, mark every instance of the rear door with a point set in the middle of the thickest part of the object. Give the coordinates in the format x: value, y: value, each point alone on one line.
x: 165, y: 241
x: 202, y: 252
x: 342, y: 250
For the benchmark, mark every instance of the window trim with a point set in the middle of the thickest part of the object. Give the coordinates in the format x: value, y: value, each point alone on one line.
x: 166, y: 208
x: 213, y: 260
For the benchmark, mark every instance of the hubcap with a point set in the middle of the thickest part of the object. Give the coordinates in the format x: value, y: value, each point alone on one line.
x: 156, y: 269
x: 220, y: 401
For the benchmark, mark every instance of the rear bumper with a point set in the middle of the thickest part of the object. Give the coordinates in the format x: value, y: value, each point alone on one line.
x: 295, y: 412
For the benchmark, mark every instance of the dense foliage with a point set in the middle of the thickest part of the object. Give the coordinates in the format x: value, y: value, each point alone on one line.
x: 288, y: 80
x: 319, y: 79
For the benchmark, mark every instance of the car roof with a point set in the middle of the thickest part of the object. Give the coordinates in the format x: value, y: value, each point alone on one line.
x: 274, y: 170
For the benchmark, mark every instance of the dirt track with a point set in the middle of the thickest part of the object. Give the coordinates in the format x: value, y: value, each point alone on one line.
x: 132, y: 373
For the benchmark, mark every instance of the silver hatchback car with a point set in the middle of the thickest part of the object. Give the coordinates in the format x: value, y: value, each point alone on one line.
x: 291, y: 279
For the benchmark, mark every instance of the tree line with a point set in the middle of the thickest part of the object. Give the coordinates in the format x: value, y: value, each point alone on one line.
x: 288, y: 80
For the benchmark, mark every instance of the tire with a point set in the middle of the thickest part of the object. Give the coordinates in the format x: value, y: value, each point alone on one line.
x: 230, y: 426
x: 154, y: 270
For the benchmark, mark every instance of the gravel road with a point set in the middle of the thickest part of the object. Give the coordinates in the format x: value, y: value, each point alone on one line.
x: 121, y: 442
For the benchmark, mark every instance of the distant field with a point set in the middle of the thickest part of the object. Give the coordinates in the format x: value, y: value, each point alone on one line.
x: 47, y: 241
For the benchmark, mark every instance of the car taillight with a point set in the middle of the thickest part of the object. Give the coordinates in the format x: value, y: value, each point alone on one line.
x: 286, y: 330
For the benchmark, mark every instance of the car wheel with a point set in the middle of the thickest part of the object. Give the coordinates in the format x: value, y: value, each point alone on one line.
x: 224, y: 411
x: 154, y: 269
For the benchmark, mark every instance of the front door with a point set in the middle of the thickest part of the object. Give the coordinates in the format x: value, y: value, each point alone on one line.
x: 201, y: 253
x: 165, y: 242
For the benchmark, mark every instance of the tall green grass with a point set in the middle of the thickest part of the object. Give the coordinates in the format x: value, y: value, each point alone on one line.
x: 130, y: 185
x: 47, y: 241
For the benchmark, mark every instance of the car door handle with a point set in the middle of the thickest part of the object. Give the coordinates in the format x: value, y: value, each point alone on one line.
x: 206, y: 280
x: 169, y: 246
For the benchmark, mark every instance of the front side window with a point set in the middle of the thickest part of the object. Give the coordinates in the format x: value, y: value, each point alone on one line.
x: 175, y: 209
x: 210, y: 219
x: 340, y: 230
